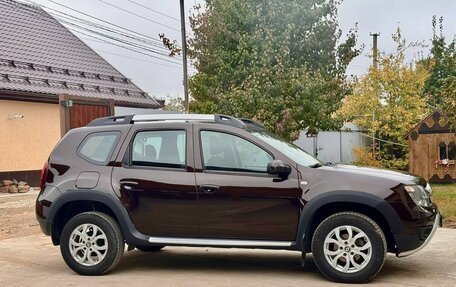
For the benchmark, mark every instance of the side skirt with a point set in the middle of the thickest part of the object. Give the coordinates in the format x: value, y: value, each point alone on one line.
x: 220, y: 242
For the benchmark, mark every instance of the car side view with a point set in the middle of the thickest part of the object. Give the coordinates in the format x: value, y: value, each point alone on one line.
x: 151, y: 181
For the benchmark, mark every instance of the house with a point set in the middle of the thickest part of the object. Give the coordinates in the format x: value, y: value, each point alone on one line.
x: 432, y: 149
x: 50, y: 82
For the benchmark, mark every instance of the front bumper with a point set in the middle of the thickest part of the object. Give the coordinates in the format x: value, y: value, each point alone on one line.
x: 423, y: 233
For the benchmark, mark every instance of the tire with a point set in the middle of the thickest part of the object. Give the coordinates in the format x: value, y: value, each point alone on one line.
x: 150, y: 248
x: 78, y: 235
x: 334, y: 232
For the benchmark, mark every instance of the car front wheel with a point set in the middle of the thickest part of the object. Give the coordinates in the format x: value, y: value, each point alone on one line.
x: 349, y: 247
x: 91, y: 243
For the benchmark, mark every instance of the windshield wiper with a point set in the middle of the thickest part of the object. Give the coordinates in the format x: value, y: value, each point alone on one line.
x: 315, y: 165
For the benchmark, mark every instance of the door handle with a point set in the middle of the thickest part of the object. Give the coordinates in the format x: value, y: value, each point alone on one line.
x: 209, y: 188
x: 128, y: 185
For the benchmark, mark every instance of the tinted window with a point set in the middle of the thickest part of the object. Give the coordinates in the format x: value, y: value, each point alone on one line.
x: 223, y: 151
x: 159, y: 148
x: 98, y: 147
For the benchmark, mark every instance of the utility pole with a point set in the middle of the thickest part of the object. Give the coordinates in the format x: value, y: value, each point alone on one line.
x: 374, y: 50
x: 375, y: 66
x: 184, y: 55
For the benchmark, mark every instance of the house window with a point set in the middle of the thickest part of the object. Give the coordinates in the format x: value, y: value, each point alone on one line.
x: 442, y: 151
x: 452, y: 151
x: 447, y: 151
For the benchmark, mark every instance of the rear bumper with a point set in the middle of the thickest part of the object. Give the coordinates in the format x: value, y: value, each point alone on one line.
x: 418, y: 241
x: 45, y: 226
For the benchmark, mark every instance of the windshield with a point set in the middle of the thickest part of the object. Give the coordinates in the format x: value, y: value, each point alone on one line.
x: 289, y: 149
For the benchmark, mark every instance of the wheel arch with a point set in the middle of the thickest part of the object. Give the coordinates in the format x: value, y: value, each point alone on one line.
x: 75, y: 202
x: 324, y: 205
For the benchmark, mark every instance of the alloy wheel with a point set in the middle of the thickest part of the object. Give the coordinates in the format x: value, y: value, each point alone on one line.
x: 347, y: 249
x: 88, y: 244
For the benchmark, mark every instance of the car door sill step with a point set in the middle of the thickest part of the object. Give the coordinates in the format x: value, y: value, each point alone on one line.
x: 218, y: 242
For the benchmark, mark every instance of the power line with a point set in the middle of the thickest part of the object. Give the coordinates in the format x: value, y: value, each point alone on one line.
x: 98, y: 19
x: 69, y: 17
x: 153, y: 10
x: 139, y: 16
x: 381, y: 140
x: 125, y: 47
x: 67, y: 21
x: 65, y: 18
x: 142, y: 47
x: 133, y: 58
x: 107, y: 42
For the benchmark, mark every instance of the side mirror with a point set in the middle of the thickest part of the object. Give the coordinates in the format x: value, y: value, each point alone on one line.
x: 277, y: 167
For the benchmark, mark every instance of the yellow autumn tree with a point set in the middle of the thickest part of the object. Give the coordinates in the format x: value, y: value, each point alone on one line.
x: 387, y: 102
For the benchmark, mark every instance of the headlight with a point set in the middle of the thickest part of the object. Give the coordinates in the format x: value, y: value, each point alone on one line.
x: 419, y: 194
x: 429, y: 190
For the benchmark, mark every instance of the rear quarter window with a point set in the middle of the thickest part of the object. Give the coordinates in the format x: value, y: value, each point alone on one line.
x: 97, y: 148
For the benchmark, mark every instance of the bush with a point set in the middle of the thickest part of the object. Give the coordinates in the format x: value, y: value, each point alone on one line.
x: 363, y: 156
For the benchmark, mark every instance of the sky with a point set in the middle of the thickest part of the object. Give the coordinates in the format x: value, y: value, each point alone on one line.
x: 164, y: 79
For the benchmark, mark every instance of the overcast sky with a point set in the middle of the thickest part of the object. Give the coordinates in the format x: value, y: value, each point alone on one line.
x: 160, y: 78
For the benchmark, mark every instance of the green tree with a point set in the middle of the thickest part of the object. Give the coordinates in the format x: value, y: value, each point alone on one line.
x: 388, y: 102
x: 440, y: 86
x: 279, y: 62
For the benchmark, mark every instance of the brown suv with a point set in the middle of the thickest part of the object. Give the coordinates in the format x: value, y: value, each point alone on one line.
x: 211, y: 180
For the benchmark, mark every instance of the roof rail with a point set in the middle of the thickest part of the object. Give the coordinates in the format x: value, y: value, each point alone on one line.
x: 107, y: 121
x: 221, y: 119
x: 130, y: 119
x: 253, y: 124
x: 173, y: 117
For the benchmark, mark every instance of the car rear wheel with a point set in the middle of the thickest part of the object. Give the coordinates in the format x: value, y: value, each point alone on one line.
x: 349, y: 247
x: 91, y: 243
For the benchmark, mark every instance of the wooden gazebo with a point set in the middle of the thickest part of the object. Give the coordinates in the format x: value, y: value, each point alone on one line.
x: 432, y: 149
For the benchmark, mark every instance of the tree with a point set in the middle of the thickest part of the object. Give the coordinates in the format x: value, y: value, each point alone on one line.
x: 174, y: 104
x: 279, y: 62
x: 440, y: 86
x: 388, y: 101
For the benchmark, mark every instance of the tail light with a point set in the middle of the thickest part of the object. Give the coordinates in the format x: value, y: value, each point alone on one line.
x: 43, y: 176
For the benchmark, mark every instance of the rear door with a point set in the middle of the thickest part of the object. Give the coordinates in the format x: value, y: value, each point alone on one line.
x: 156, y: 180
x: 237, y: 198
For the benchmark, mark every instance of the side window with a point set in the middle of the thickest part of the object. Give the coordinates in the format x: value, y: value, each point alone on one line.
x: 222, y: 151
x: 159, y: 148
x: 98, y: 147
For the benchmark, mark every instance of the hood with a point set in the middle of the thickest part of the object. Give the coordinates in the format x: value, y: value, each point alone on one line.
x: 348, y: 177
x: 379, y: 173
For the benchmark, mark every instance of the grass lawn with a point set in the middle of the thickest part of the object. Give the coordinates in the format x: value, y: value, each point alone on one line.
x: 445, y: 197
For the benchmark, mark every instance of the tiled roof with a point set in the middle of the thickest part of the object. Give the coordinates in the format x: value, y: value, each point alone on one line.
x: 38, y: 54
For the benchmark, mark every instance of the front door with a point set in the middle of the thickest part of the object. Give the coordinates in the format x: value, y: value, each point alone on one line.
x: 156, y: 182
x: 237, y: 198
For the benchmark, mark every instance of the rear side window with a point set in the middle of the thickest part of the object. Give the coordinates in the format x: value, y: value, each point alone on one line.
x: 97, y: 148
x: 159, y: 149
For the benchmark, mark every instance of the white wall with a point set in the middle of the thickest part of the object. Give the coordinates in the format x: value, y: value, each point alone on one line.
x: 334, y: 146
